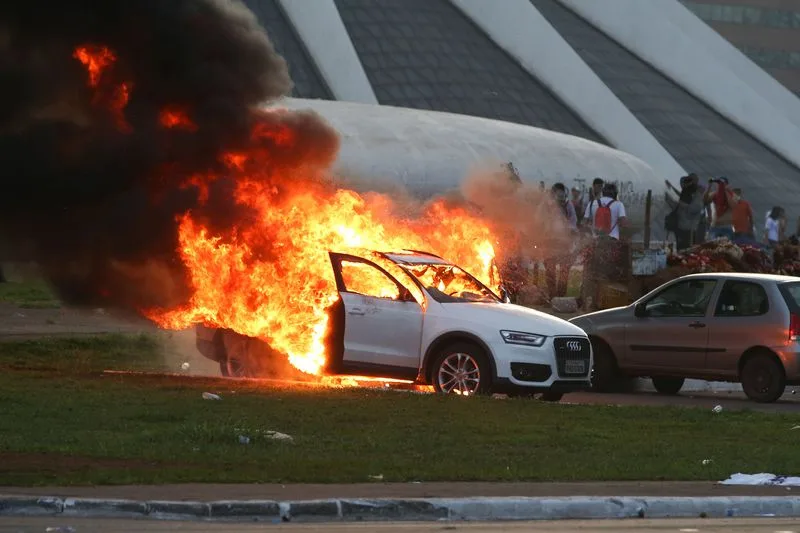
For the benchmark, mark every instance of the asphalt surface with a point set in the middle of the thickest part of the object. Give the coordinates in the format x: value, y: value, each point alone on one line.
x: 733, y: 400
x: 89, y: 525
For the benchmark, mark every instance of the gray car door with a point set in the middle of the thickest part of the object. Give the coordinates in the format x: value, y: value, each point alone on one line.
x: 741, y: 319
x: 674, y: 331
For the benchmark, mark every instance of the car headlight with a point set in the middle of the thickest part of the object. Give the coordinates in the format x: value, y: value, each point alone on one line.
x: 520, y: 337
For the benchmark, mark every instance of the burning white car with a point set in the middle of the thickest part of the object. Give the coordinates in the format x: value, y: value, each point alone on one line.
x: 415, y: 316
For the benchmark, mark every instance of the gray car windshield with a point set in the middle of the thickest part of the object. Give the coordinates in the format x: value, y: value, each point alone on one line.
x: 450, y: 284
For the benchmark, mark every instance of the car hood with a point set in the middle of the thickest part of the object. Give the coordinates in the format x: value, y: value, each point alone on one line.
x: 512, y: 317
x: 606, y: 315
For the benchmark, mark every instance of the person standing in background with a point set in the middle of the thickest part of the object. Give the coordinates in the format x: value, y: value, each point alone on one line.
x: 743, y: 219
x: 722, y: 203
x: 688, y: 211
x: 775, y: 226
x: 558, y: 264
x: 577, y: 204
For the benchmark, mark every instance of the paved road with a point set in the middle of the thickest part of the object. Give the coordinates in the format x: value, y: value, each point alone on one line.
x: 763, y: 525
x: 790, y: 403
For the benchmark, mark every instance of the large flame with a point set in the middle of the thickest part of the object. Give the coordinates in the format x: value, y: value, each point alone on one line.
x: 269, y: 276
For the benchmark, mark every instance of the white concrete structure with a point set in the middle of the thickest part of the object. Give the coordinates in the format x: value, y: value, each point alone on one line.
x: 523, y: 32
x: 657, y: 32
x: 430, y: 152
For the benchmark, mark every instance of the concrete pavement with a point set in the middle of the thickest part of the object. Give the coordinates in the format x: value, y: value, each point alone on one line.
x: 84, y: 525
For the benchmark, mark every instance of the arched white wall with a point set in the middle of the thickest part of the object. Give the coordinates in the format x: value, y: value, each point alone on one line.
x: 519, y: 28
x: 784, y: 100
x: 320, y: 27
x: 430, y: 152
x: 651, y: 30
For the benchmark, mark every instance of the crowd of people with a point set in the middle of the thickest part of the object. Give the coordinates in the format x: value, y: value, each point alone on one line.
x: 716, y: 210
x: 698, y: 212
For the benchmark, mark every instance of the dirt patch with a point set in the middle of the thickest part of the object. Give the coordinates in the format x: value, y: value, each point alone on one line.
x: 18, y: 323
x: 55, y: 463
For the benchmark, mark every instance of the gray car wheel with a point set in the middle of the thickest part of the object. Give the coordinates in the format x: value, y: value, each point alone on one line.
x: 763, y: 378
x: 462, y: 369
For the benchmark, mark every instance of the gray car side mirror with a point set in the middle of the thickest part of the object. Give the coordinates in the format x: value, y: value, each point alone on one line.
x: 640, y: 310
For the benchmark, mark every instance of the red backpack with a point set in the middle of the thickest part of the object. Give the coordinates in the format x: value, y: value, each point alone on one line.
x: 602, y: 218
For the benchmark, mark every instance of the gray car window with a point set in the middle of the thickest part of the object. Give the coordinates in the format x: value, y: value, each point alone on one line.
x: 689, y: 298
x: 742, y: 298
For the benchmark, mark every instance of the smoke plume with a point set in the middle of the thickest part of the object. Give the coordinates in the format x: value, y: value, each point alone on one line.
x: 112, y: 114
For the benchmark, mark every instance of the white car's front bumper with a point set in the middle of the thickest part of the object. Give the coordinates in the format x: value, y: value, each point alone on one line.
x: 561, y: 362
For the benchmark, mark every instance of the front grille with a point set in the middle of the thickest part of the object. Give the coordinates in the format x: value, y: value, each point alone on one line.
x: 572, y: 356
x: 530, y: 372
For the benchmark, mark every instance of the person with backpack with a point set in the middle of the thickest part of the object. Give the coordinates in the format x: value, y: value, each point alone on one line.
x: 606, y: 215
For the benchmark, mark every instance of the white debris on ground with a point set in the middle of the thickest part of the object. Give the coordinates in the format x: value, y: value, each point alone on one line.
x: 185, y: 366
x: 61, y: 529
x: 277, y: 435
x: 210, y: 396
x: 717, y: 409
x: 706, y: 462
x: 379, y: 477
x: 762, y: 479
x: 244, y: 440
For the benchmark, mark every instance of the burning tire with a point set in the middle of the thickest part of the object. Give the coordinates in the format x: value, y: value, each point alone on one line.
x: 237, y: 362
x: 463, y: 369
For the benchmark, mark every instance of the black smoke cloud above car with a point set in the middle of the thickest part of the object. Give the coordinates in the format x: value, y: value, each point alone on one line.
x: 97, y: 205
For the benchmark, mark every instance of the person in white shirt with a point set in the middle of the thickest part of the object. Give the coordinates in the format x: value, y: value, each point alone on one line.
x: 611, y: 220
x: 775, y: 226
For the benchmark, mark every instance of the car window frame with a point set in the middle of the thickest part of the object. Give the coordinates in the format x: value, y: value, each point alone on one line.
x: 743, y: 282
x: 712, y: 298
x: 337, y: 259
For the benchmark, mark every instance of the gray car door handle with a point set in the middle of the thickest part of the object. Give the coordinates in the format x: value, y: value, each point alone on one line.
x: 356, y: 311
x: 697, y: 325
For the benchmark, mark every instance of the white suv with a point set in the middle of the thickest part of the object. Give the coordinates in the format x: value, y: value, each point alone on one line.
x: 413, y: 315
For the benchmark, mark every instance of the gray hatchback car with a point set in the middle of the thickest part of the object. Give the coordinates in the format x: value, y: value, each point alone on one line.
x: 732, y: 327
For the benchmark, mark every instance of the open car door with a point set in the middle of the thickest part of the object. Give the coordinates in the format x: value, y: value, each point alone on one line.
x: 382, y: 320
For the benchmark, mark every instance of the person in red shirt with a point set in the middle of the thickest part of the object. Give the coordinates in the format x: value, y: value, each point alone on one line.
x: 743, y: 221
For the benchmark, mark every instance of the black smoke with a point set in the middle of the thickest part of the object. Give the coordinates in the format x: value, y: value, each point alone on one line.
x: 96, y: 205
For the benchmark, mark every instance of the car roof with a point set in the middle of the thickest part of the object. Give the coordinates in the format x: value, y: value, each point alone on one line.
x: 414, y: 257
x: 742, y: 275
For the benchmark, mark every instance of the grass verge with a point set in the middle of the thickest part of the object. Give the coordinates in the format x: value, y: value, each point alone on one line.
x: 29, y: 294
x: 64, y: 422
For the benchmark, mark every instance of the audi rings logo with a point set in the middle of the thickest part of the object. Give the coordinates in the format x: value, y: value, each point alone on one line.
x: 574, y: 346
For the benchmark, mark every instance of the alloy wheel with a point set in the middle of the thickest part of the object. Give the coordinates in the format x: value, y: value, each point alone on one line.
x: 459, y: 373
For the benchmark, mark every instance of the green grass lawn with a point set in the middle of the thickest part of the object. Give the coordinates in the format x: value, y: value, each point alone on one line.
x: 29, y: 294
x: 65, y: 422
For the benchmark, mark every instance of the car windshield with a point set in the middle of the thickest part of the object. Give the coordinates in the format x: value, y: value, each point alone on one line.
x: 450, y: 284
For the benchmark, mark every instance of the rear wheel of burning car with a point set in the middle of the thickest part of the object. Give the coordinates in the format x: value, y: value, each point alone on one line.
x: 461, y: 368
x: 237, y: 363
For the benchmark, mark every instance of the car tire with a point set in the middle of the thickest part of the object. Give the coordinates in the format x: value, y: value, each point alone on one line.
x: 606, y: 376
x: 551, y: 396
x: 763, y: 378
x: 236, y: 361
x: 461, y: 359
x: 668, y: 386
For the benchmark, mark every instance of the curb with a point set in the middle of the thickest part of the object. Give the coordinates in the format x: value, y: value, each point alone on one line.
x: 432, y: 509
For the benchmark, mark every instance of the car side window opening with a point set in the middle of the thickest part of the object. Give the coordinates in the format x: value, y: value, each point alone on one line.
x: 365, y: 279
x: 688, y: 298
x: 742, y: 298
x: 450, y: 284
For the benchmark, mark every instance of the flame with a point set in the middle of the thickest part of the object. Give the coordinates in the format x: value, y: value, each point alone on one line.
x: 272, y: 277
x: 95, y: 59
x: 175, y: 118
x: 269, y: 276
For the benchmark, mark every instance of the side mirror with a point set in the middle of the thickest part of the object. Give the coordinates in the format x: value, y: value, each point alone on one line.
x: 504, y: 295
x: 640, y: 311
